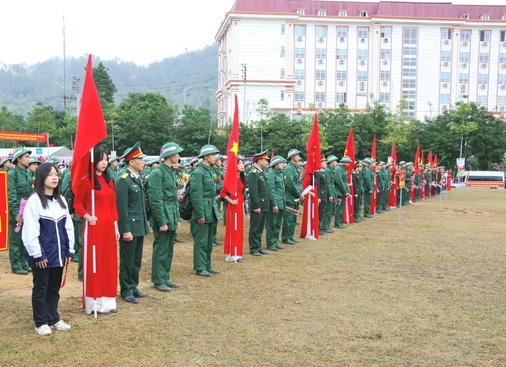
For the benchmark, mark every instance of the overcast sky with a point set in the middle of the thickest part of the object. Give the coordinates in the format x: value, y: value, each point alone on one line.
x: 142, y: 32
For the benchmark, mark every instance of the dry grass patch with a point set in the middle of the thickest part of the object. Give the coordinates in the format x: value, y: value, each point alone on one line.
x: 430, y: 294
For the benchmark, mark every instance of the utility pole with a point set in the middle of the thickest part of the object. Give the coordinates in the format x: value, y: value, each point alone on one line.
x: 244, y: 79
x: 64, y: 93
x: 76, y: 87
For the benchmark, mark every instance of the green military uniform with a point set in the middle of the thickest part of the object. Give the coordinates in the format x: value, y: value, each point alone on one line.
x: 276, y: 185
x: 382, y: 187
x: 218, y: 174
x: 323, y: 196
x: 3, y: 163
x: 164, y: 205
x: 202, y: 194
x: 418, y: 183
x: 388, y: 184
x: 19, y: 184
x: 368, y: 187
x: 328, y: 211
x: 112, y: 171
x: 358, y: 192
x: 293, y: 193
x: 342, y: 191
x: 260, y: 198
x: 406, y: 193
x: 132, y: 219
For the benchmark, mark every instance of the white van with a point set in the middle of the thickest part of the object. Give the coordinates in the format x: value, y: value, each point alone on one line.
x: 490, y: 179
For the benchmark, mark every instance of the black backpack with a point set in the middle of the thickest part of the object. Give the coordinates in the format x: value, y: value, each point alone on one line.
x: 185, y: 205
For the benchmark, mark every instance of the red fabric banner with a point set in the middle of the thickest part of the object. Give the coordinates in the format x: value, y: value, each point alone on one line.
x: 374, y: 201
x: 230, y: 179
x: 18, y: 136
x: 349, y: 210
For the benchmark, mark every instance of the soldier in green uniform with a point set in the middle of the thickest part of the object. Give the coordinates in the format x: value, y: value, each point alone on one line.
x: 276, y: 184
x: 193, y: 165
x: 368, y: 186
x: 418, y: 183
x: 20, y: 187
x: 164, y: 219
x: 6, y: 164
x: 218, y: 174
x: 388, y: 185
x: 113, y: 168
x: 132, y: 223
x: 342, y: 191
x: 323, y: 193
x: 205, y: 211
x: 247, y: 166
x: 358, y: 191
x: 260, y: 203
x: 33, y: 164
x: 406, y: 194
x: 328, y: 207
x: 293, y: 194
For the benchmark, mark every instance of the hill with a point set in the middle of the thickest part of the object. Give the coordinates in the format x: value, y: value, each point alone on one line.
x: 21, y: 85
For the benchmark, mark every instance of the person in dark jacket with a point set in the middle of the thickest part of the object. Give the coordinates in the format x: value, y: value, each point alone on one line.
x: 48, y: 237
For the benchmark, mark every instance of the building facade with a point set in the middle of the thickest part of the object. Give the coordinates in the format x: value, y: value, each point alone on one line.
x: 309, y: 55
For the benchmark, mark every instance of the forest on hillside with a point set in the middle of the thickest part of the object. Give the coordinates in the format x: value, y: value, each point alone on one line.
x: 22, y: 86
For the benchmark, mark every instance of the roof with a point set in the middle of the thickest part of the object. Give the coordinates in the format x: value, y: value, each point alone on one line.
x: 381, y: 8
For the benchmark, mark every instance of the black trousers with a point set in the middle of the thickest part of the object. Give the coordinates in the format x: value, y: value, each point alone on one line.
x: 257, y: 223
x: 45, y: 295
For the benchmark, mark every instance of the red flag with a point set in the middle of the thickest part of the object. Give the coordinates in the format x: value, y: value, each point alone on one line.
x: 230, y: 180
x: 374, y: 200
x: 429, y: 158
x: 373, y: 149
x: 417, y: 160
x: 435, y: 160
x: 349, y: 151
x: 422, y: 159
x: 310, y: 216
x: 393, y: 158
x: 90, y: 128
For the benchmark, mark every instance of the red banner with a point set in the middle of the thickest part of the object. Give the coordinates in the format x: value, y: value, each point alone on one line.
x: 402, y: 179
x: 4, y: 212
x: 18, y: 136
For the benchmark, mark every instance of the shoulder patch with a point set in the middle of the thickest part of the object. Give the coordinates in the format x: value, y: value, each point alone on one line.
x: 124, y: 175
x: 254, y: 170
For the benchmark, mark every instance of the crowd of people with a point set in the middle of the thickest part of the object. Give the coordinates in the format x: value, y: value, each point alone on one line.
x: 120, y: 199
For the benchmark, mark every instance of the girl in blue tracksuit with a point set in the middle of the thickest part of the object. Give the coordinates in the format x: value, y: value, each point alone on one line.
x: 48, y: 236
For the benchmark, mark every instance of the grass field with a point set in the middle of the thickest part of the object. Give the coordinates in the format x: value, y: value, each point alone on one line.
x: 430, y: 294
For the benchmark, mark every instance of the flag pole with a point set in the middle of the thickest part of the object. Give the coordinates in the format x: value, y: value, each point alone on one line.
x: 92, y: 179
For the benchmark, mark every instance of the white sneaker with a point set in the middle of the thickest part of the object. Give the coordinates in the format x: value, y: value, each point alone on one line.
x: 43, y: 330
x: 60, y: 325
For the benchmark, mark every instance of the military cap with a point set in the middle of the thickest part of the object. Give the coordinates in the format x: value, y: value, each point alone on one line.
x: 442, y: 167
x: 409, y: 164
x: 261, y: 155
x: 331, y: 158
x: 388, y: 165
x: 247, y: 162
x: 133, y: 152
x: 241, y: 157
x: 112, y: 159
x: 367, y: 160
x: 5, y: 160
x: 402, y: 162
x: 358, y: 163
x: 218, y: 156
x: 323, y: 159
x: 53, y: 160
x: 291, y: 153
x: 151, y: 162
x: 169, y: 149
x: 277, y: 159
x: 303, y: 163
x: 208, y: 149
x: 34, y: 160
x: 200, y: 160
x: 18, y: 153
x: 193, y: 160
x: 346, y: 159
x: 381, y: 163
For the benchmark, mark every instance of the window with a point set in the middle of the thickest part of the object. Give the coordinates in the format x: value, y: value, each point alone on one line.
x: 482, y: 100
x: 412, y: 51
x: 341, y: 54
x: 363, y: 32
x: 362, y: 54
x: 283, y: 28
x: 409, y: 84
x: 482, y: 79
x: 385, y: 54
x: 445, y: 77
x: 362, y: 76
x: 446, y: 34
x: 322, y: 13
x: 320, y: 53
x: 410, y: 36
x: 385, y: 75
x: 501, y: 100
x: 282, y: 73
x: 363, y: 14
x: 384, y: 97
x: 503, y: 36
x: 321, y: 31
x: 463, y: 78
x: 341, y: 98
x: 341, y: 75
x: 502, y: 58
x: 386, y: 32
x: 483, y: 58
x: 409, y: 62
x: 464, y: 57
x: 320, y: 74
x: 502, y: 80
x: 282, y: 51
x: 484, y: 36
x: 299, y: 96
x: 300, y: 74
x: 464, y: 16
x: 320, y: 97
x: 300, y: 31
x: 485, y: 17
x: 409, y: 72
x: 465, y: 36
x: 342, y: 32
x: 444, y: 99
x: 446, y: 56
x: 343, y: 13
x: 301, y: 11
x: 300, y: 53
x: 282, y: 95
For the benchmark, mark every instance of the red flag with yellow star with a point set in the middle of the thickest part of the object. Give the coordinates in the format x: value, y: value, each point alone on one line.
x: 349, y: 151
x: 230, y: 180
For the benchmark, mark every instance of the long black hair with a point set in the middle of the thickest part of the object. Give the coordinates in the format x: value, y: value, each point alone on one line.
x: 98, y: 153
x: 41, y: 174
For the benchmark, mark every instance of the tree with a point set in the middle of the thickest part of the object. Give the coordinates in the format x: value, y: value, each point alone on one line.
x: 194, y: 129
x: 105, y: 85
x: 10, y: 122
x: 41, y: 119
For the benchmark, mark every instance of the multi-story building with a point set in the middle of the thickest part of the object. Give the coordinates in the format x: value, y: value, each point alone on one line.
x: 307, y: 55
